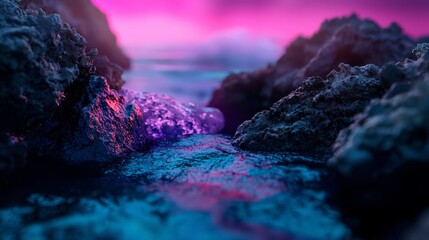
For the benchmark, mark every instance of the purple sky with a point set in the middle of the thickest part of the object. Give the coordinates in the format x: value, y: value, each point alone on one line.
x: 160, y: 23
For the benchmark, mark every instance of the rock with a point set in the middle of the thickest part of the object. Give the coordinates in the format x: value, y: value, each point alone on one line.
x: 89, y: 21
x: 40, y: 57
x: 310, y: 118
x: 381, y: 160
x: 92, y: 127
x: 108, y: 70
x: 394, y: 127
x: 166, y: 118
x: 347, y: 40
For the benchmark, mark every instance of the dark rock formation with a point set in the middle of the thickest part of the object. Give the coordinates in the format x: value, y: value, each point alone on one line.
x: 382, y: 158
x: 89, y: 21
x: 109, y: 70
x: 93, y: 127
x: 50, y: 98
x: 392, y: 131
x: 346, y: 40
x: 310, y: 118
x: 40, y: 57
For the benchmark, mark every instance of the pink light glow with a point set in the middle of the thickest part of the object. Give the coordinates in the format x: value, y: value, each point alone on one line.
x: 206, y: 190
x: 175, y: 22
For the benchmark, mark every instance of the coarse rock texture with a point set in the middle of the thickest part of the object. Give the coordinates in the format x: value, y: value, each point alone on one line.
x: 166, y: 118
x: 40, y: 57
x: 381, y: 160
x: 347, y: 40
x: 91, y: 128
x: 89, y: 21
x: 393, y: 131
x: 310, y: 118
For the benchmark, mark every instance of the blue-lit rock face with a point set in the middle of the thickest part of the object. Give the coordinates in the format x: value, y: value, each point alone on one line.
x: 392, y: 131
x: 310, y: 118
x: 349, y: 40
x: 382, y: 158
x: 194, y: 188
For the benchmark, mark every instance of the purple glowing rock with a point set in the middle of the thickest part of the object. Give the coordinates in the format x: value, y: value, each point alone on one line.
x: 164, y: 117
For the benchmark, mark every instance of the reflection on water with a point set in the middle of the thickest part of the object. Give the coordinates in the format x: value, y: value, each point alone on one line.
x: 194, y: 188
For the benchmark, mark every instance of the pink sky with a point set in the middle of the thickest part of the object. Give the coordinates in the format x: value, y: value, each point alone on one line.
x: 160, y: 23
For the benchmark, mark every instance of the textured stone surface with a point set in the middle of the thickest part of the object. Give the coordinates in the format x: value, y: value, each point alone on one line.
x: 89, y: 21
x: 310, y: 118
x: 39, y: 58
x: 381, y: 160
x: 392, y: 131
x: 345, y: 40
x: 91, y: 127
x: 166, y: 118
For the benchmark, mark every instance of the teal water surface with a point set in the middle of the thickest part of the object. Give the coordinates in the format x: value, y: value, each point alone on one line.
x: 194, y: 188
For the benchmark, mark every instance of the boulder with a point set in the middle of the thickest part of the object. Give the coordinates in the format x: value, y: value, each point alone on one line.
x: 381, y: 161
x: 392, y: 131
x: 310, y: 118
x: 40, y: 57
x: 89, y: 21
x: 349, y: 40
x: 92, y: 127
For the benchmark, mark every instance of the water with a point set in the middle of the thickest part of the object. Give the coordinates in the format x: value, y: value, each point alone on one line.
x: 194, y: 188
x: 183, y: 74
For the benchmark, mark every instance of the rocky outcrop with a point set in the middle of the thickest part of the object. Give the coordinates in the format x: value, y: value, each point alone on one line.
x: 393, y: 131
x: 89, y: 21
x: 108, y: 70
x: 347, y: 40
x: 310, y: 118
x: 91, y: 128
x: 381, y: 160
x: 40, y: 57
